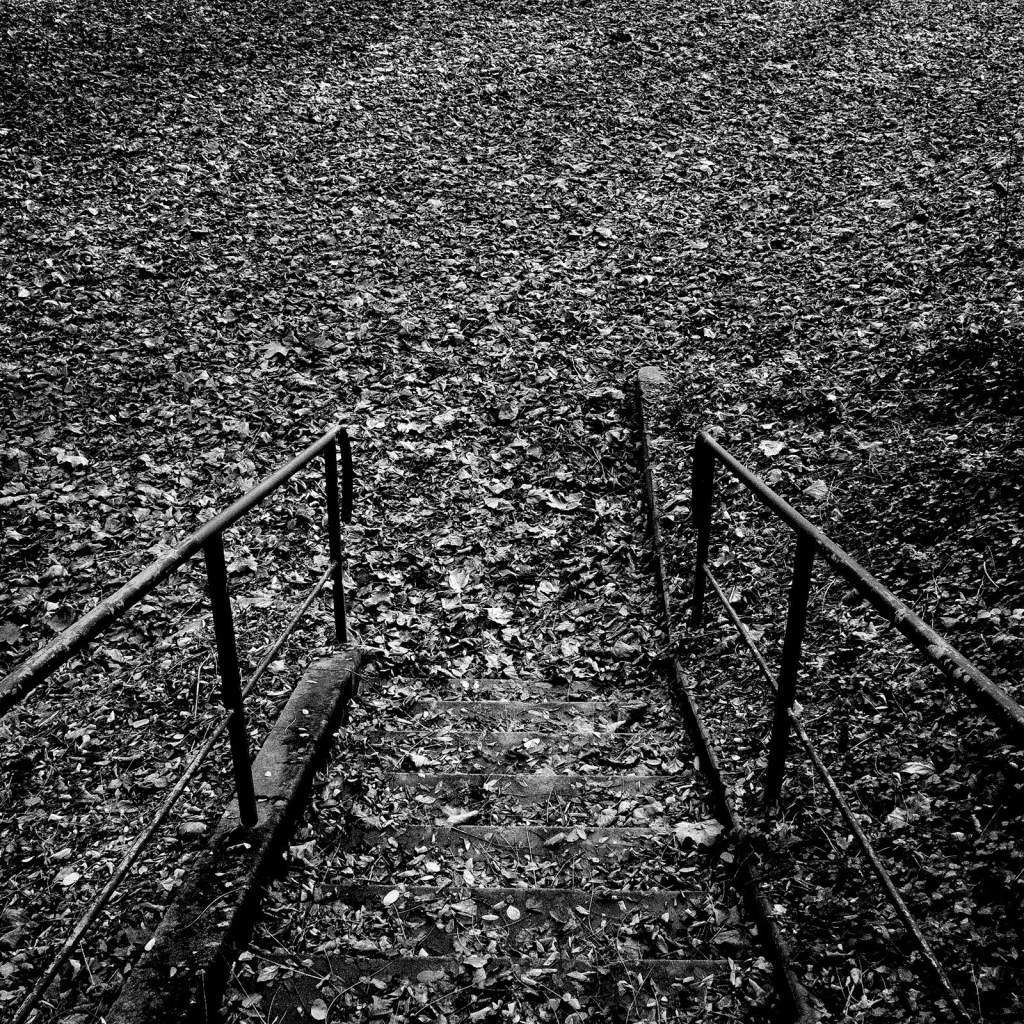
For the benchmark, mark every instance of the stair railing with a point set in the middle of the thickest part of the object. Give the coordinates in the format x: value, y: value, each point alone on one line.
x: 209, y: 539
x: 812, y: 543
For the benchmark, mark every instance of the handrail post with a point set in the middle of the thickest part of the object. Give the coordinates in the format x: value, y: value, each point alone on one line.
x: 702, y: 489
x: 785, y: 694
x: 230, y: 679
x: 334, y: 542
x: 347, y: 476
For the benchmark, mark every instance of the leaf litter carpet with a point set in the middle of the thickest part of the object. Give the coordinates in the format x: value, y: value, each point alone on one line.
x: 289, y: 205
x: 513, y: 827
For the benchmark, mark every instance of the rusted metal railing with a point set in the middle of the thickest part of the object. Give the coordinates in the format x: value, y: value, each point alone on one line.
x: 209, y: 539
x: 41, y: 665
x: 812, y: 543
x: 748, y: 873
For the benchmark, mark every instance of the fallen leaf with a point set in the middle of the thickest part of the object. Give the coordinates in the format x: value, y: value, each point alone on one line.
x: 267, y: 973
x: 275, y: 348
x: 446, y: 418
x: 897, y: 818
x: 918, y: 769
x: 567, y: 504
x: 461, y: 817
x: 428, y: 977
x: 818, y: 490
x: 700, y: 832
x: 458, y: 580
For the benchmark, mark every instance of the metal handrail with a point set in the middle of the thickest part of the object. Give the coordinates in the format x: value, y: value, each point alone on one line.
x: 35, y: 669
x: 966, y: 676
x: 210, y: 539
x: 775, y: 944
x: 92, y: 912
x: 892, y: 894
x: 994, y: 702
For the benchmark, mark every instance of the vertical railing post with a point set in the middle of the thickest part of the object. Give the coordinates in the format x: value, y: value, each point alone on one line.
x: 347, y: 476
x: 230, y: 679
x: 785, y: 694
x: 702, y: 489
x: 334, y: 542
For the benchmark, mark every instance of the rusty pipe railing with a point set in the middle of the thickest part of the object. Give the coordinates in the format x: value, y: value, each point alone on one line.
x: 210, y: 539
x: 892, y: 894
x: 811, y: 543
x: 41, y: 665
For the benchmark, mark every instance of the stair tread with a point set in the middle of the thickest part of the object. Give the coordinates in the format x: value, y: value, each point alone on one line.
x: 605, y: 898
x: 525, y: 708
x: 510, y: 752
x: 531, y: 895
x: 456, y: 912
x: 529, y: 783
x: 526, y: 686
x: 515, y: 837
x: 350, y: 967
x: 356, y: 984
x: 504, y: 737
x: 637, y: 856
x: 520, y: 707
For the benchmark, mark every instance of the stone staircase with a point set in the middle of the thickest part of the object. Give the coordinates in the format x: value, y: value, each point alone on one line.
x: 520, y: 850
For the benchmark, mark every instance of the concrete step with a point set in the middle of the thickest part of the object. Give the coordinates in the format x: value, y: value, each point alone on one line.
x: 557, y: 971
x: 507, y: 846
x: 400, y: 799
x: 513, y: 714
x: 478, y: 987
x: 419, y: 919
x: 585, y: 716
x: 523, y: 688
x: 532, y: 839
x: 546, y: 856
x: 476, y: 751
x: 508, y: 853
x: 527, y: 786
x: 472, y: 901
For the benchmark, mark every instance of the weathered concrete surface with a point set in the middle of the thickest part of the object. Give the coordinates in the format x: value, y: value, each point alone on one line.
x: 565, y: 975
x: 182, y: 974
x: 511, y: 710
x: 539, y: 898
x: 530, y: 787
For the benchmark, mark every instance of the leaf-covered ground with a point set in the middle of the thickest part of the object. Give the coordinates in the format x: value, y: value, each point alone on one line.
x: 523, y: 560
x: 590, y: 909
x: 223, y: 226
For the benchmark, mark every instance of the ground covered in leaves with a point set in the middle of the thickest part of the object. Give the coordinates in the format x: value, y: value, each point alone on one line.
x: 531, y: 566
x: 566, y: 898
x: 223, y: 227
